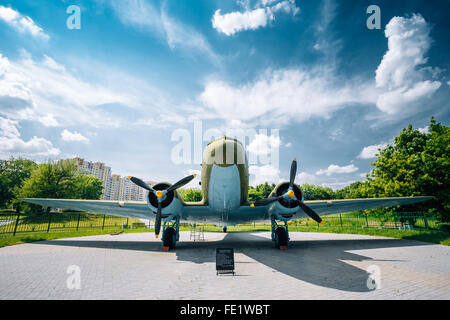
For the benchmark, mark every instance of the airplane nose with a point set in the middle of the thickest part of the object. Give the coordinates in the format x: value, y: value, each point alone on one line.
x: 225, y: 152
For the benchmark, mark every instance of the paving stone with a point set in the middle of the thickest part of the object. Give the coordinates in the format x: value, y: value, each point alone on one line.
x: 316, y: 266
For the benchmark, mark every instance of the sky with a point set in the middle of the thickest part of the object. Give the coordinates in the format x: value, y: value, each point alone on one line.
x: 308, y: 78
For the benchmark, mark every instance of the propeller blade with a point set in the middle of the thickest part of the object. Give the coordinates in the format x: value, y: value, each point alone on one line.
x: 310, y: 212
x: 158, y: 220
x: 181, y: 183
x: 293, y: 173
x: 264, y: 202
x: 140, y: 183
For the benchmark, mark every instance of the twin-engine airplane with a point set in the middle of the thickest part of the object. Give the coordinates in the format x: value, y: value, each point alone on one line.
x: 224, y: 182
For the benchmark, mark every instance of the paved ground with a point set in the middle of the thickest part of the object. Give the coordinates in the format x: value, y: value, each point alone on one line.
x: 316, y: 266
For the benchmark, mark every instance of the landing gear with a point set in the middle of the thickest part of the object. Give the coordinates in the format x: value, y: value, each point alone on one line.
x: 225, y: 229
x: 280, y: 234
x: 169, y: 238
x: 171, y: 234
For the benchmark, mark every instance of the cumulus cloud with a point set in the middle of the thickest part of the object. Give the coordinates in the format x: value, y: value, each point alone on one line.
x: 299, y: 93
x: 21, y: 23
x: 11, y: 144
x: 306, y: 178
x: 233, y: 22
x: 335, y: 169
x: 424, y: 129
x: 44, y: 90
x: 263, y: 144
x: 66, y: 135
x: 402, y: 82
x: 262, y: 174
x: 371, y: 151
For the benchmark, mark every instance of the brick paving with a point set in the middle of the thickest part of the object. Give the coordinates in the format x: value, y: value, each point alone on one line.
x: 316, y: 266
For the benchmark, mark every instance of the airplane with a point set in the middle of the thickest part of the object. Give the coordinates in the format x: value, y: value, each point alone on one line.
x: 224, y: 183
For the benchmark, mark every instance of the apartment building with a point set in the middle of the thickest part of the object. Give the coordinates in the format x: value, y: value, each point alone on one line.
x: 115, y: 187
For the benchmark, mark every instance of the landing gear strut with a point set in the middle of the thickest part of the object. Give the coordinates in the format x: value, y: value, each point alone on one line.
x: 171, y: 233
x: 280, y: 234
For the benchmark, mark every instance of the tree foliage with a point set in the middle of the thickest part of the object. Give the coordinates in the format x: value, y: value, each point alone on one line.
x: 417, y: 164
x: 12, y: 174
x: 59, y: 180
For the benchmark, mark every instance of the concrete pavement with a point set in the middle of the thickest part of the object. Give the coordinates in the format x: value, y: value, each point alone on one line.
x: 316, y: 266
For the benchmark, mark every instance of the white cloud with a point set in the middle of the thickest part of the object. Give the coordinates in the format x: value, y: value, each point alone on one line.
x: 233, y: 22
x: 150, y: 19
x: 45, y: 91
x: 12, y: 145
x: 371, y: 151
x: 262, y: 174
x: 21, y: 23
x: 306, y: 178
x: 285, y: 95
x: 403, y: 84
x: 263, y: 144
x: 66, y: 135
x: 288, y: 145
x: 335, y: 169
x: 48, y: 121
x: 425, y: 129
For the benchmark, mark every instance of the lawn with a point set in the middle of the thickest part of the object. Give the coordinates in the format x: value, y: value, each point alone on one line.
x: 73, y: 224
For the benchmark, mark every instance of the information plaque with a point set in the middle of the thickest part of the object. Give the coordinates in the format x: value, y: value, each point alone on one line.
x: 225, y: 260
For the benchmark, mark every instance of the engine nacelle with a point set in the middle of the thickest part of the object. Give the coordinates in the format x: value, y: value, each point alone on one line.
x: 284, y: 206
x: 171, y: 205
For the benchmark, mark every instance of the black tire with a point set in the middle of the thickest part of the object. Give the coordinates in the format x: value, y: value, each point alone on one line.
x: 170, y: 238
x: 280, y: 237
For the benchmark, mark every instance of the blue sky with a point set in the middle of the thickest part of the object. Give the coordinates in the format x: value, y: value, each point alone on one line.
x: 117, y: 89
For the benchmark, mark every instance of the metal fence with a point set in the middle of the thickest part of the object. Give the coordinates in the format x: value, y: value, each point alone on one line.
x: 12, y: 223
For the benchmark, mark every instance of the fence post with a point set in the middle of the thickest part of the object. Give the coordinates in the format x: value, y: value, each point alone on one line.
x: 17, y: 222
x: 103, y: 226
x: 127, y: 223
x: 78, y: 221
x: 49, y: 220
x: 425, y: 220
x: 340, y: 218
x: 367, y: 221
x: 395, y: 220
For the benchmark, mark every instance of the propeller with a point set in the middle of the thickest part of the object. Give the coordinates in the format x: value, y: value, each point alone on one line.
x: 289, y: 194
x: 160, y: 195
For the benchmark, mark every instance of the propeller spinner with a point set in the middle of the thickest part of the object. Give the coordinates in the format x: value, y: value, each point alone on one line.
x: 289, y: 195
x: 160, y: 195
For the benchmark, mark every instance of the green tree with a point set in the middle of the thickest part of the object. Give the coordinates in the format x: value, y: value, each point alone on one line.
x: 312, y: 192
x: 87, y: 187
x: 12, y: 174
x: 191, y: 195
x: 417, y: 164
x: 353, y: 191
x: 59, y: 180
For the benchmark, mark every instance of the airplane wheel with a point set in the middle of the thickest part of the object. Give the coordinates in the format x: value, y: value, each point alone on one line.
x: 280, y: 238
x: 170, y: 238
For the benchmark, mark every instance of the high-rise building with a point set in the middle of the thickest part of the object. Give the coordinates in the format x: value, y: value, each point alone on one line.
x: 98, y: 170
x: 115, y: 187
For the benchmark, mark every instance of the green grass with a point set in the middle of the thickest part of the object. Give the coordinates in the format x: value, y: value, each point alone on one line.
x: 33, y: 227
x: 9, y: 240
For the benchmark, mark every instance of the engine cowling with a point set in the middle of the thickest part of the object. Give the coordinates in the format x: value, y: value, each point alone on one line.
x: 170, y: 205
x: 281, y: 189
x: 284, y: 207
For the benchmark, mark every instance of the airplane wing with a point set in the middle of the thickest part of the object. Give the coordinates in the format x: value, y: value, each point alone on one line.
x: 327, y: 207
x: 128, y: 209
